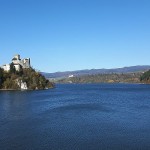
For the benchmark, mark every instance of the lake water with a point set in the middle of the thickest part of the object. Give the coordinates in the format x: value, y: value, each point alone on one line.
x: 76, y: 117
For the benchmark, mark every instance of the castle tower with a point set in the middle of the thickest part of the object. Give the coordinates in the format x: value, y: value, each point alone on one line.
x: 16, y: 60
x: 26, y: 63
x: 17, y: 57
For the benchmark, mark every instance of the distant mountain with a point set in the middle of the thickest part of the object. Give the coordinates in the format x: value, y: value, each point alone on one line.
x: 77, y: 73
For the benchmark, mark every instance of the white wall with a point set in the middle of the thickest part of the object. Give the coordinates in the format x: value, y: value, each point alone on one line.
x: 6, y: 67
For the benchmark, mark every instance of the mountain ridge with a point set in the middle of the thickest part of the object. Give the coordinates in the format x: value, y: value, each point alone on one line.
x: 76, y: 73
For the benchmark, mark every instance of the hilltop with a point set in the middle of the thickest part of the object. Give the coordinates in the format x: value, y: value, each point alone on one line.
x: 25, y: 79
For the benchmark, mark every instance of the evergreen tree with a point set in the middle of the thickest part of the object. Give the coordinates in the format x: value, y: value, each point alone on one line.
x: 12, y: 68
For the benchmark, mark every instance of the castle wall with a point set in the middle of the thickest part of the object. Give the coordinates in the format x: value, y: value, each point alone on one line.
x: 6, y: 67
x: 17, y: 67
x: 25, y: 63
x: 16, y: 61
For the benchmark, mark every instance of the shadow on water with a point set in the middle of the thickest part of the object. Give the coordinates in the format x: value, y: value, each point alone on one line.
x: 84, y: 107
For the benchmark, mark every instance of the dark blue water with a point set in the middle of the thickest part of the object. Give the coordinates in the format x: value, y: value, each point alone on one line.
x: 76, y: 117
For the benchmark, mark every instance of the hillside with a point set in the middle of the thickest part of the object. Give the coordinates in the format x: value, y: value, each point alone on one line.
x: 26, y: 79
x: 77, y: 73
x: 145, y: 78
x: 104, y: 78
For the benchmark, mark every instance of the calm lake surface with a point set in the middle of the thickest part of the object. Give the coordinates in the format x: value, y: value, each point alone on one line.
x: 76, y: 117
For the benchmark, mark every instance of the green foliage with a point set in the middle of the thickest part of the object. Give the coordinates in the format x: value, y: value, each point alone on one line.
x: 1, y: 76
x: 34, y: 80
x: 12, y: 68
x: 145, y: 77
x: 10, y: 84
x: 1, y: 72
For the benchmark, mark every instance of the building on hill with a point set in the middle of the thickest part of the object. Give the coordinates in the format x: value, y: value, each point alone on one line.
x: 18, y: 63
x: 6, y: 67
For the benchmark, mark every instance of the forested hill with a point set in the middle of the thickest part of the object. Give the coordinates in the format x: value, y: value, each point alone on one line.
x: 137, y: 77
x: 104, y: 78
x: 25, y: 79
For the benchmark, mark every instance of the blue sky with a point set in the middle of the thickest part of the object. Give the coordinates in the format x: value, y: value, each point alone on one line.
x: 61, y: 35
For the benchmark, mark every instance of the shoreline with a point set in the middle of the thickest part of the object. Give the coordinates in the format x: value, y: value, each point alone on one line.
x: 105, y: 83
x: 25, y: 90
x: 71, y: 83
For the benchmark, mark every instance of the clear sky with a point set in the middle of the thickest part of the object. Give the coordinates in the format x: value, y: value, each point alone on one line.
x: 61, y: 35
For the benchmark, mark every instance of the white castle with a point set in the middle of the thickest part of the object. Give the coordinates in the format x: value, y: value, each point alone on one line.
x: 18, y: 63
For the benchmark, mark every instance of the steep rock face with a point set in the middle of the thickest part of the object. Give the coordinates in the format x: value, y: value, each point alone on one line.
x: 22, y: 85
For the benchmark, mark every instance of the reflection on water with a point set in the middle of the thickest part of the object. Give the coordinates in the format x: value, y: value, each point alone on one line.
x: 76, y: 116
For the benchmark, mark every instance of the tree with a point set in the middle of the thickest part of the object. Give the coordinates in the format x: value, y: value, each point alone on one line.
x: 12, y: 68
x: 145, y: 77
x: 1, y: 76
